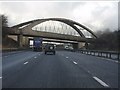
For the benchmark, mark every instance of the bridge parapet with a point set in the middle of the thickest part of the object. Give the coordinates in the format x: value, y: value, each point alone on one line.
x: 29, y: 33
x: 13, y: 31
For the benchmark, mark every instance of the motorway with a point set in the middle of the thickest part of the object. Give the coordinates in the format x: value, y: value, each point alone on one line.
x: 28, y: 69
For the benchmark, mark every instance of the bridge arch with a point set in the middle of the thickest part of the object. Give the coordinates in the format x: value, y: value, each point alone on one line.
x: 71, y: 23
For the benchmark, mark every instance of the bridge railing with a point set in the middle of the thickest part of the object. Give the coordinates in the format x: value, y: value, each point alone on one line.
x: 107, y: 54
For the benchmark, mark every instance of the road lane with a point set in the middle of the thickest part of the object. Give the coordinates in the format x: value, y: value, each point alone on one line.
x: 4, y: 54
x: 50, y: 71
x: 15, y: 62
x: 104, y: 69
x: 17, y: 58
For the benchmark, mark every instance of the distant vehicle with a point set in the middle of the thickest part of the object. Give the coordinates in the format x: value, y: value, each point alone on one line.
x: 71, y: 48
x: 68, y: 48
x: 37, y: 44
x: 49, y: 48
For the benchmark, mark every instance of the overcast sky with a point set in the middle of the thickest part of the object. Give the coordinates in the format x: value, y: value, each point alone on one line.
x: 97, y: 15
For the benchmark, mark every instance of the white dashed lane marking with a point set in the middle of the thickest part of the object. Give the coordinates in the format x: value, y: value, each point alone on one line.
x: 101, y: 82
x: 88, y: 71
x: 35, y: 57
x: 0, y: 77
x: 66, y: 57
x: 74, y: 62
x: 26, y: 63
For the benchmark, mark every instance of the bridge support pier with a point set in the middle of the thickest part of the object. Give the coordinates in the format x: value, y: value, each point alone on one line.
x: 20, y: 40
x: 86, y: 45
x: 80, y: 45
x: 75, y: 46
x: 23, y: 41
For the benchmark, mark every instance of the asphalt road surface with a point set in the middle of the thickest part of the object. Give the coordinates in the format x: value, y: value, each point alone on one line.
x: 28, y: 69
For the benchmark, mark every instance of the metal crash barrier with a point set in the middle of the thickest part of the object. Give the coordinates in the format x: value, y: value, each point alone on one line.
x: 107, y: 54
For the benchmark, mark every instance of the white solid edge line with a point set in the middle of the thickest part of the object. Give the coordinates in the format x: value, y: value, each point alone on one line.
x: 74, y: 62
x: 116, y: 61
x: 26, y: 63
x: 101, y: 82
x: 110, y: 60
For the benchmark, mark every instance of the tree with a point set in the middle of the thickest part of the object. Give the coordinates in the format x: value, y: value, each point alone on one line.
x: 4, y: 25
x: 4, y: 21
x: 107, y: 40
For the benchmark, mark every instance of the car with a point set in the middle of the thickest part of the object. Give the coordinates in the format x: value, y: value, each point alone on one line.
x: 49, y: 48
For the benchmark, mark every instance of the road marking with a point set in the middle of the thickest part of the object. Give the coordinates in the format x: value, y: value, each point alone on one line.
x: 39, y: 54
x: 116, y: 61
x: 6, y: 56
x: 110, y: 60
x: 0, y: 77
x: 26, y: 63
x: 74, y: 62
x: 88, y: 71
x: 13, y: 52
x: 66, y: 57
x: 35, y: 57
x: 101, y: 82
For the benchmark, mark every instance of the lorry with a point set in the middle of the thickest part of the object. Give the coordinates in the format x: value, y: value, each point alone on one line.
x: 37, y: 44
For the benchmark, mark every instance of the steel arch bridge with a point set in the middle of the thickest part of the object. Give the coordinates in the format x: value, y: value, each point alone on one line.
x: 25, y: 29
x: 69, y: 22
